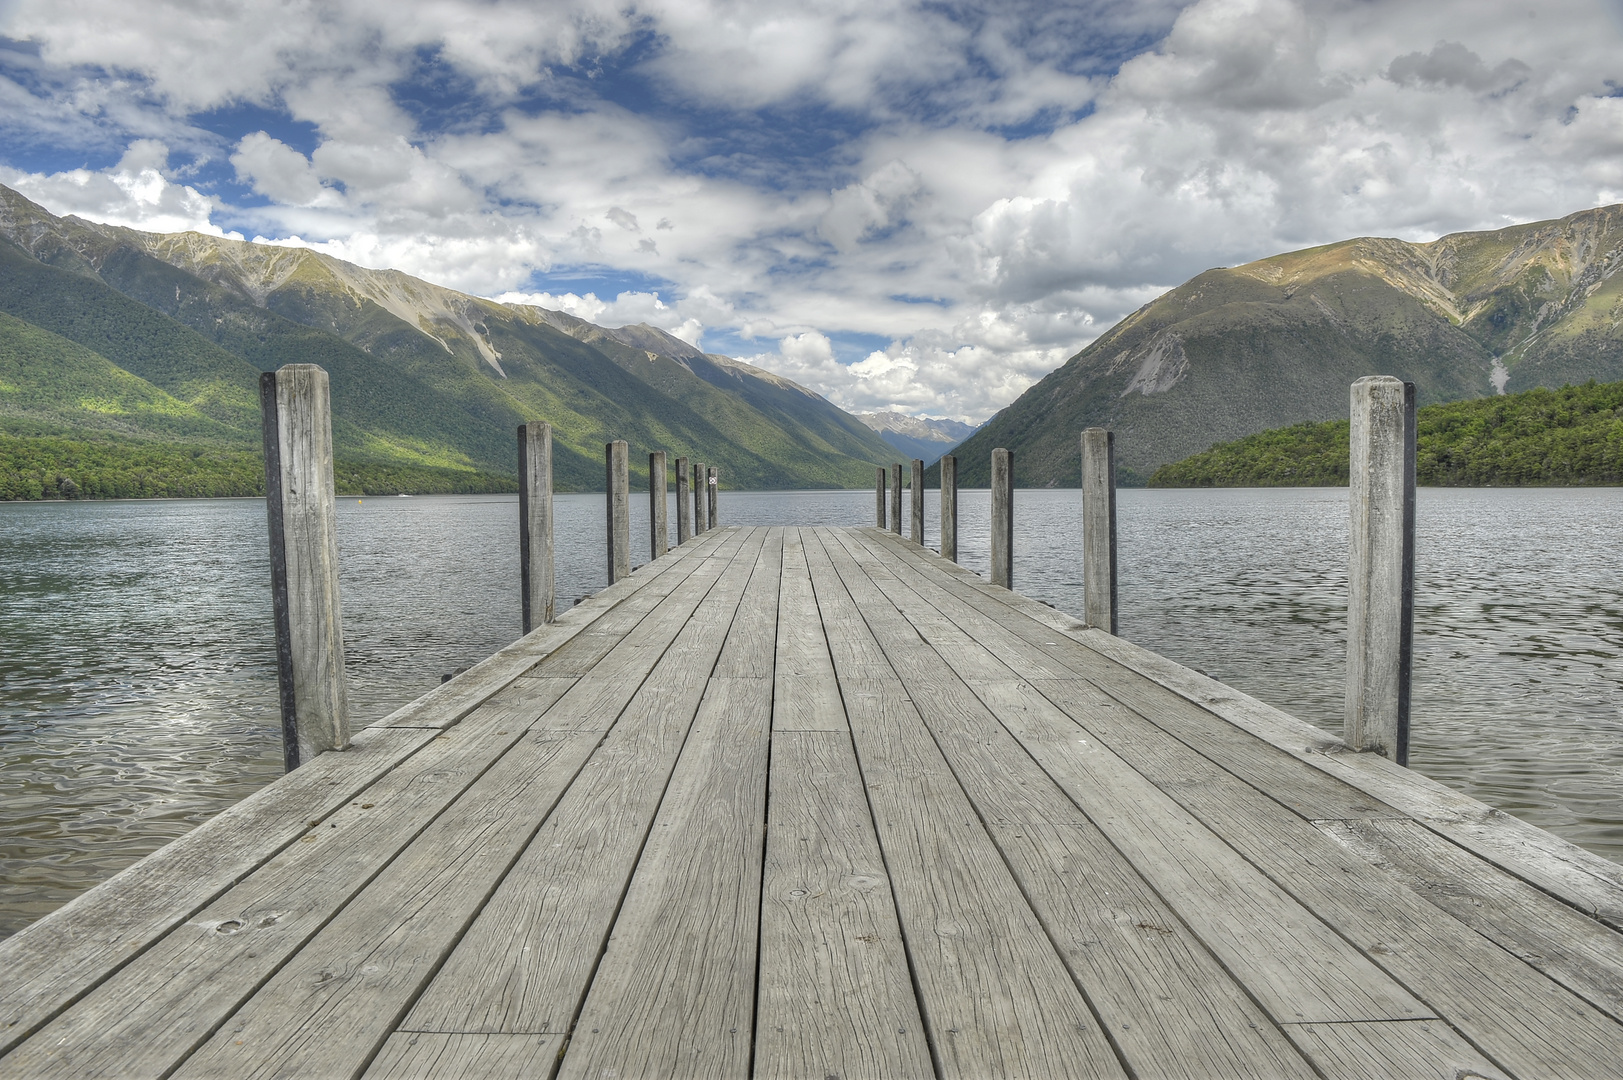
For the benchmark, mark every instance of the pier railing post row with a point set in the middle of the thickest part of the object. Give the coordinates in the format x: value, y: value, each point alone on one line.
x: 698, y: 498
x: 1003, y: 518
x: 896, y: 497
x: 684, y: 510
x: 659, y: 524
x: 949, y: 507
x: 1380, y: 566
x: 616, y: 466
x: 879, y: 496
x: 916, y: 502
x: 535, y: 560
x: 1099, y: 528
x: 300, y: 507
x: 712, y: 487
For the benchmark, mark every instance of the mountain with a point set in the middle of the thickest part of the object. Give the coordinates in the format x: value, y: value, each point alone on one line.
x: 1277, y: 342
x: 922, y: 437
x: 423, y: 377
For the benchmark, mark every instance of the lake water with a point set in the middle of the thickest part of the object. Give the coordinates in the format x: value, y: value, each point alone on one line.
x: 138, y: 692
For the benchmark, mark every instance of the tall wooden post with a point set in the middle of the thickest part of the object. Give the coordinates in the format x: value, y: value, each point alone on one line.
x: 1099, y: 528
x: 616, y: 466
x: 879, y: 497
x: 916, y: 501
x: 659, y: 525
x: 698, y: 499
x: 1003, y: 518
x: 949, y: 507
x: 713, y: 487
x: 1380, y: 566
x: 535, y: 524
x: 896, y: 498
x: 301, y: 511
x: 684, y: 509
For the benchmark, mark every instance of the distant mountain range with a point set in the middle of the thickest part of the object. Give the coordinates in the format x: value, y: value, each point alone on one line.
x: 112, y: 333
x: 922, y: 437
x: 1277, y: 342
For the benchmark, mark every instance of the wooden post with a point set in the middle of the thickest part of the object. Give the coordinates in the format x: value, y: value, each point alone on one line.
x: 1003, y: 518
x: 896, y: 498
x: 879, y: 496
x: 684, y: 509
x: 535, y: 524
x: 659, y: 525
x: 713, y: 486
x: 616, y: 466
x: 1099, y: 528
x: 949, y: 507
x: 698, y: 499
x: 296, y: 418
x: 1380, y: 566
x: 916, y: 501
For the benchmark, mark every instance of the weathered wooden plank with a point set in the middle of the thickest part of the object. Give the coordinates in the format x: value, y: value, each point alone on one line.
x: 675, y: 992
x: 524, y: 964
x: 429, y: 1055
x: 835, y: 996
x: 806, y: 695
x: 994, y: 993
x: 58, y: 959
x: 752, y: 640
x: 158, y: 1009
x: 1579, y: 952
x: 1411, y: 1049
x: 328, y: 1010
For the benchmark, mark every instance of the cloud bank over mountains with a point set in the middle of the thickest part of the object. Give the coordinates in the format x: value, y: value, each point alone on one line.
x: 903, y: 205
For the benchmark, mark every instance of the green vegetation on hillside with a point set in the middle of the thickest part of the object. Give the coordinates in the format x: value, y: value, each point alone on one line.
x: 50, y: 467
x: 1537, y: 437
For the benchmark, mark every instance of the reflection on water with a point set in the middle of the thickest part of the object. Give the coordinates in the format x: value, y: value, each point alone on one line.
x: 137, y: 686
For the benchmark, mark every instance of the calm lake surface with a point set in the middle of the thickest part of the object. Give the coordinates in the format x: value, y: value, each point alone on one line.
x: 138, y: 692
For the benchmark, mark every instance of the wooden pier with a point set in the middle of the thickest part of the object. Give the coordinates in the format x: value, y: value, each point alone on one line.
x: 819, y: 803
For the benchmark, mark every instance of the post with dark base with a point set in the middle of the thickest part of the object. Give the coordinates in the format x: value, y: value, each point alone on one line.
x: 1380, y: 566
x: 713, y: 486
x: 698, y: 499
x: 535, y: 524
x: 300, y: 508
x: 1003, y: 518
x: 916, y: 501
x: 949, y: 507
x: 659, y: 525
x: 684, y: 509
x: 896, y: 498
x: 1099, y: 528
x: 879, y: 497
x: 616, y: 468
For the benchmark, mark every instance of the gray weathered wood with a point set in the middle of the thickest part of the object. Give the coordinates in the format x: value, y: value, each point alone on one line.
x: 426, y: 1055
x: 536, y: 564
x: 806, y: 694
x: 701, y: 520
x: 879, y: 500
x: 712, y: 490
x: 1412, y: 1049
x: 896, y: 498
x: 618, y: 509
x: 1003, y: 518
x: 684, y: 509
x: 1380, y: 566
x: 915, y: 499
x: 949, y: 507
x: 1099, y: 528
x: 659, y: 526
x: 835, y: 995
x: 299, y: 502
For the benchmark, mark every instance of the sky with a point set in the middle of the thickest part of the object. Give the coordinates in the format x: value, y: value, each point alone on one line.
x: 914, y: 206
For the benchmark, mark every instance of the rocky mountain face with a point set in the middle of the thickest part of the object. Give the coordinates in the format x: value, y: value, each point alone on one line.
x: 923, y: 437
x: 169, y: 332
x: 1276, y: 342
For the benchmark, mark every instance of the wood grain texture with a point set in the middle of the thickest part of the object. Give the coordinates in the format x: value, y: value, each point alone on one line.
x: 994, y: 994
x: 537, y: 577
x: 806, y: 695
x: 427, y: 1055
x: 1412, y: 1049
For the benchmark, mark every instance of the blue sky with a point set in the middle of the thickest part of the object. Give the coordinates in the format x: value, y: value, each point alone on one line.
x: 924, y: 206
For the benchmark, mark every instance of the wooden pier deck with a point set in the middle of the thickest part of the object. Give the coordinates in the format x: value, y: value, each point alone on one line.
x: 818, y: 803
